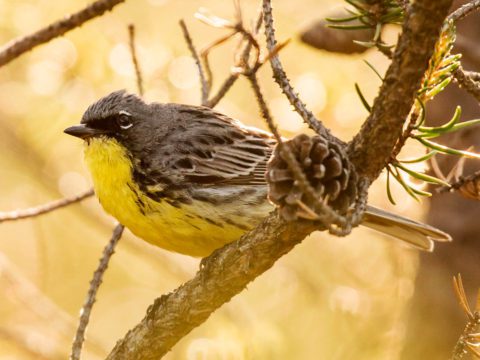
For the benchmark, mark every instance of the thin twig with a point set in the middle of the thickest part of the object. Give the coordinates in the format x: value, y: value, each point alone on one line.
x: 325, y: 213
x: 460, y: 182
x: 405, y: 135
x: 133, y: 52
x: 43, y: 209
x: 92, y: 292
x: 193, y: 51
x: 465, y: 81
x: 19, y: 46
x: 475, y: 76
x: 282, y: 79
x: 228, y: 83
x: 464, y: 10
x: 468, y: 186
x: 206, y: 51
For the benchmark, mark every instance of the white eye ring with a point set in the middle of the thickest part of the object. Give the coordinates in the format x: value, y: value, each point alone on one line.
x: 125, y: 127
x: 124, y: 115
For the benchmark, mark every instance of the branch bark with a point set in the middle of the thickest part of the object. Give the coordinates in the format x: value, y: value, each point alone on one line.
x: 228, y: 270
x: 222, y: 275
x: 467, y: 83
x: 19, y: 46
x: 370, y: 149
x: 92, y: 292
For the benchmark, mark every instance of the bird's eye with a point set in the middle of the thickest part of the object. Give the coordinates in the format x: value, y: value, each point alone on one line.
x: 124, y: 120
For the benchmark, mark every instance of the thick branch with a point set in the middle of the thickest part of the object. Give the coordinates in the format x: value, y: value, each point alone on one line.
x: 372, y: 146
x: 19, y: 46
x: 222, y: 275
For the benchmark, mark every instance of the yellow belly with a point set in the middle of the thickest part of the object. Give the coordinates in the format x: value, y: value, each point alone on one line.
x: 185, y: 230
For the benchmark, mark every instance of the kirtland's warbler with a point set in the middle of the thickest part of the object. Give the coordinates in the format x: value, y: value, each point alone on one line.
x: 189, y: 179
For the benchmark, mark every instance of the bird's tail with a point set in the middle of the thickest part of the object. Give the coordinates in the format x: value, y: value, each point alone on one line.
x: 417, y: 234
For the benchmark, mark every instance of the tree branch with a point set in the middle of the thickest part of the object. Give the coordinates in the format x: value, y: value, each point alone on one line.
x: 282, y: 80
x: 222, y: 275
x: 468, y: 83
x: 43, y: 209
x: 136, y: 64
x: 19, y: 46
x: 464, y: 10
x: 203, y: 79
x: 371, y: 148
x: 92, y: 293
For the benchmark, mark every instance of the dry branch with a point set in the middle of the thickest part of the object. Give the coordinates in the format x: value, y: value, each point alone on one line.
x: 464, y: 10
x: 371, y: 148
x: 136, y: 64
x: 227, y: 84
x: 92, y: 292
x: 243, y: 58
x: 281, y: 77
x: 228, y: 270
x: 475, y: 76
x: 468, y: 186
x: 203, y: 80
x: 466, y: 82
x: 17, y: 47
x: 43, y: 209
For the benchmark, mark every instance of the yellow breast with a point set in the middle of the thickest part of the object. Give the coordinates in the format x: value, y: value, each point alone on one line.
x: 196, y: 229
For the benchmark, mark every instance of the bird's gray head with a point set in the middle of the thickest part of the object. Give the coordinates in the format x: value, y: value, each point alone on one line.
x: 119, y: 115
x: 112, y: 107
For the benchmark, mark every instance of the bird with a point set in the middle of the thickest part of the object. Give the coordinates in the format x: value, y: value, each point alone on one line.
x: 190, y: 179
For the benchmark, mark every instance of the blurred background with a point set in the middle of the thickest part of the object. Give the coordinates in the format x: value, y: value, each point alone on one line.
x: 330, y: 298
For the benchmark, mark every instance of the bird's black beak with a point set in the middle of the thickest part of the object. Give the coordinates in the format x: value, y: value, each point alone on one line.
x: 82, y: 131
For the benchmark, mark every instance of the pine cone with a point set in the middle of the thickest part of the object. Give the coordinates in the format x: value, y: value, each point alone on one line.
x: 326, y: 167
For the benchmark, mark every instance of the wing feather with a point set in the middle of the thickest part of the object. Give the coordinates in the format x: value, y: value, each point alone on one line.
x: 211, y: 148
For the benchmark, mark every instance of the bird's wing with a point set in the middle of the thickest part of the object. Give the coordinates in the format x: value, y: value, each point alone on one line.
x: 211, y: 148
x: 214, y: 148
